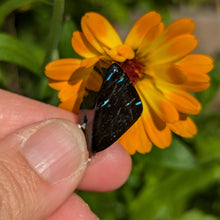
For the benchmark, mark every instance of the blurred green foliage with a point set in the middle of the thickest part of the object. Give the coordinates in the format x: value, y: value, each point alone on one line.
x: 181, y: 182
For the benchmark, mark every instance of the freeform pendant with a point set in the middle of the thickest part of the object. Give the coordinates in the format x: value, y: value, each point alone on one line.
x: 117, y: 108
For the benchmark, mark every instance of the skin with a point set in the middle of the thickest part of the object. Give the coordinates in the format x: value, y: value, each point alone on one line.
x: 107, y: 171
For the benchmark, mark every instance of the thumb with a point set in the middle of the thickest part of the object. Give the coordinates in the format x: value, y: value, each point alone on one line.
x: 40, y: 166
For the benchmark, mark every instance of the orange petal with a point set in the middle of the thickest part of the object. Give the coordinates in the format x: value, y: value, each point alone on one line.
x: 148, y: 44
x: 94, y: 81
x: 90, y: 77
x: 157, y: 130
x: 196, y: 82
x: 71, y: 97
x: 112, y: 53
x: 196, y: 87
x: 153, y: 33
x: 174, y: 50
x: 196, y: 63
x: 162, y: 107
x: 135, y: 139
x: 70, y: 90
x: 141, y: 28
x: 185, y: 127
x: 62, y: 69
x: 170, y: 72
x: 89, y: 62
x: 58, y: 85
x: 79, y: 75
x: 197, y: 77
x: 125, y: 51
x: 72, y: 104
x: 100, y: 29
x: 82, y: 46
x: 183, y: 101
x: 120, y: 53
x: 90, y: 36
x: 179, y: 27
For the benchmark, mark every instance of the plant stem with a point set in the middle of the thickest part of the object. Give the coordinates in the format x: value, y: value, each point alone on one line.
x: 55, y: 29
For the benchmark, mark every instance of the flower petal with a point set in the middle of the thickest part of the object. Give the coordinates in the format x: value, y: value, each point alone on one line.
x: 118, y: 55
x: 183, y: 101
x: 170, y: 72
x: 57, y: 85
x: 72, y: 104
x: 157, y: 130
x: 70, y: 90
x: 196, y: 86
x: 79, y: 75
x: 96, y: 25
x: 174, y: 50
x: 135, y: 139
x: 112, y: 53
x: 196, y: 63
x: 90, y: 36
x: 141, y: 28
x: 196, y: 66
x: 196, y: 82
x: 90, y: 62
x: 71, y: 96
x: 179, y: 27
x: 62, y: 69
x: 125, y: 51
x: 197, y: 77
x: 150, y: 41
x: 90, y: 77
x: 82, y: 46
x: 94, y: 81
x: 185, y: 127
x: 161, y: 106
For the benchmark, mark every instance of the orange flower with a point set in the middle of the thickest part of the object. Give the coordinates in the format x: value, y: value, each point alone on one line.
x: 157, y: 61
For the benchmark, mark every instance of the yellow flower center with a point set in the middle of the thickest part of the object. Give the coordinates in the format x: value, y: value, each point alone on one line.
x: 133, y: 68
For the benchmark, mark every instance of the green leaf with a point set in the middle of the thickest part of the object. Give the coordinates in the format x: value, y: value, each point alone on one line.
x: 10, y: 5
x: 65, y: 46
x: 197, y: 215
x: 208, y: 147
x: 115, y: 5
x: 105, y: 205
x: 207, y: 141
x: 14, y: 51
x: 177, y: 156
x: 167, y: 198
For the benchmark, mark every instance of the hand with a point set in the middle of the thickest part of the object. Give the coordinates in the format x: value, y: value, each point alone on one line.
x: 43, y: 160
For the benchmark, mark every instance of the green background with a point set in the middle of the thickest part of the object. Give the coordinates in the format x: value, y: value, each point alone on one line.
x: 181, y: 182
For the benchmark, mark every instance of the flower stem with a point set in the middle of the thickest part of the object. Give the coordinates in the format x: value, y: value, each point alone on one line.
x: 55, y: 29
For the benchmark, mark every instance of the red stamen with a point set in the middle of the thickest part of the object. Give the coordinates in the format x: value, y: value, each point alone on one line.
x: 133, y: 69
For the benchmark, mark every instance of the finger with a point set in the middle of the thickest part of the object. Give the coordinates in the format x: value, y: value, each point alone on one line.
x: 104, y: 166
x: 73, y: 208
x: 18, y: 111
x: 112, y: 165
x: 40, y: 166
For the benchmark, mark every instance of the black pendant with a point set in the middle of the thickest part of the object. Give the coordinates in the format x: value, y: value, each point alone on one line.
x: 118, y: 106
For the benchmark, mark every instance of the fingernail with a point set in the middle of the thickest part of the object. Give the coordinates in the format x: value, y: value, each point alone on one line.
x: 55, y: 150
